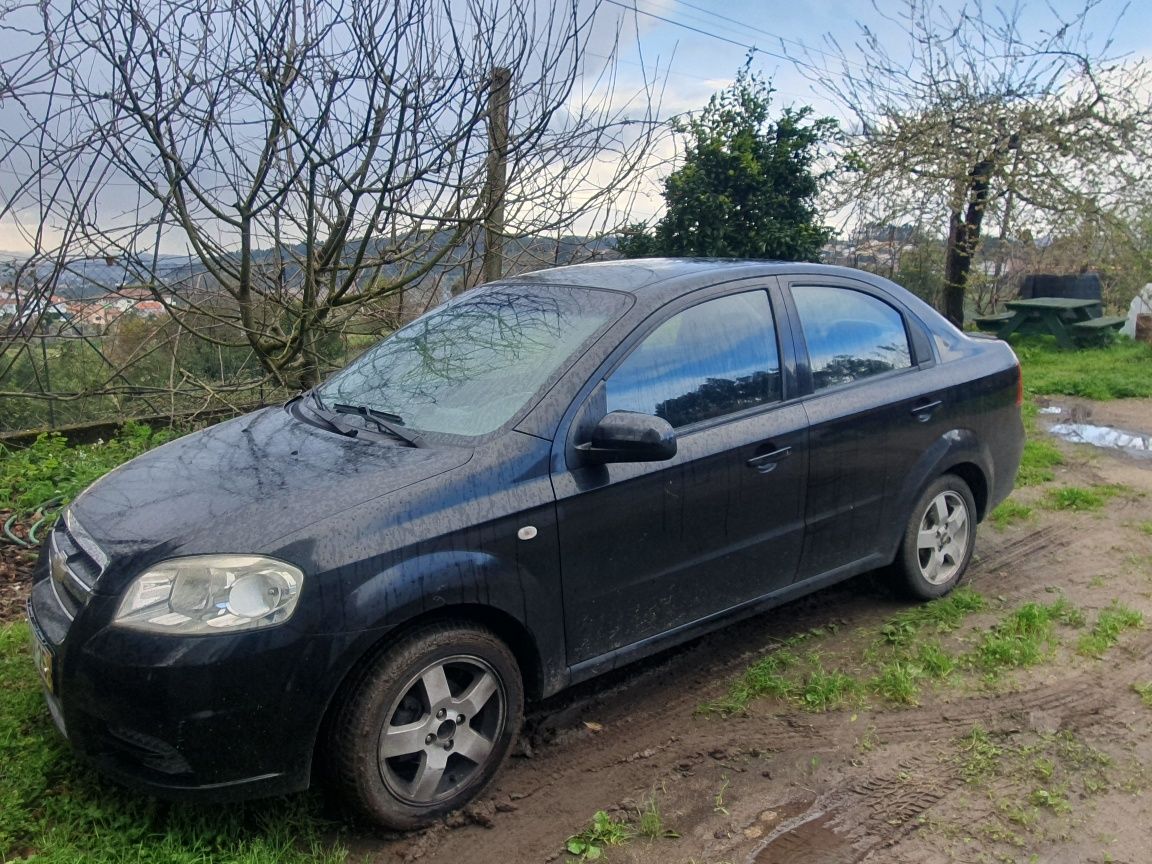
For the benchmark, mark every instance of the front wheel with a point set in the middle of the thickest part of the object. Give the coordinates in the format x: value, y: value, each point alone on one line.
x: 938, y: 539
x: 428, y: 725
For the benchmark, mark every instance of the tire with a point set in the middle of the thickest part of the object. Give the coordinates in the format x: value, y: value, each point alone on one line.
x: 938, y: 539
x: 453, y: 698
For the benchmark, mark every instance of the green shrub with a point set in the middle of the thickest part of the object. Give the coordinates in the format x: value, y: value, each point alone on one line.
x: 51, y: 472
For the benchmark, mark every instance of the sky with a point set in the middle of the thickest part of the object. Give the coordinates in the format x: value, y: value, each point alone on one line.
x: 707, y: 40
x: 699, y: 44
x: 694, y: 47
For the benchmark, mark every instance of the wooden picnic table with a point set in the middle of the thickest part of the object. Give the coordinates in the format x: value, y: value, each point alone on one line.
x: 1070, y: 320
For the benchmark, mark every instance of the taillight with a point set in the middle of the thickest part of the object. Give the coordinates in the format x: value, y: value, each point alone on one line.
x: 1019, y: 385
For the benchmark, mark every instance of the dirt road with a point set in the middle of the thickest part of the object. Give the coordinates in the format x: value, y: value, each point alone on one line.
x: 1046, y: 763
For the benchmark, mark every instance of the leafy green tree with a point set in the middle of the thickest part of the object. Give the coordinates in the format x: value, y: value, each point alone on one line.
x: 748, y: 183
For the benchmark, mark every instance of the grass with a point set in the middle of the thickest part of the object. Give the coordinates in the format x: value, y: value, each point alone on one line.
x: 1105, y: 633
x: 940, y: 616
x: 650, y: 822
x: 906, y: 655
x: 824, y: 689
x: 56, y: 811
x: 902, y: 658
x: 899, y: 682
x: 49, y: 470
x: 1116, y: 371
x: 783, y: 674
x: 1009, y: 513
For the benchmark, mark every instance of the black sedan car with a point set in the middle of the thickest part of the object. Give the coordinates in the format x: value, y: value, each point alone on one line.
x: 537, y: 482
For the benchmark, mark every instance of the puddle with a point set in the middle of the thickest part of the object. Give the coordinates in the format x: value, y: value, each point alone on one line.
x: 1136, y: 443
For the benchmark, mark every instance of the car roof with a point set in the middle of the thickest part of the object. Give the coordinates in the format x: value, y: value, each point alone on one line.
x: 661, y: 275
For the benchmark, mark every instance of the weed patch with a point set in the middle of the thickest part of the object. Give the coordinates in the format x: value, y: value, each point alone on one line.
x: 604, y: 831
x: 899, y: 681
x: 1144, y: 691
x: 906, y: 655
x: 897, y: 664
x: 979, y: 756
x: 1080, y: 500
x: 1105, y: 633
x: 1037, y: 462
x: 1009, y: 513
x: 1024, y: 638
x: 825, y: 689
x: 1031, y: 780
x: 941, y: 616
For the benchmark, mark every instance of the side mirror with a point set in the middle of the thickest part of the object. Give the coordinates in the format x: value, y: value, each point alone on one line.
x: 627, y: 436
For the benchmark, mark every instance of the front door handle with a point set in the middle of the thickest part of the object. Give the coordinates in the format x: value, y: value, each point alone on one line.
x: 765, y: 462
x: 923, y: 411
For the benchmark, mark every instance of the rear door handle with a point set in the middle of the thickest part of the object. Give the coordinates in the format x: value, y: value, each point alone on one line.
x: 922, y: 411
x: 765, y: 462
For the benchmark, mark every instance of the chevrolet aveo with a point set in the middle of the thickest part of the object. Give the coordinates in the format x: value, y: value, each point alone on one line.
x: 537, y: 482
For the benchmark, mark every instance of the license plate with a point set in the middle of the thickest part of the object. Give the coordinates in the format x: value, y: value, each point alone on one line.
x: 42, y: 657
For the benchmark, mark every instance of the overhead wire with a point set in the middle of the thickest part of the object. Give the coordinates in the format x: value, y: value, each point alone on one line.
x: 754, y: 29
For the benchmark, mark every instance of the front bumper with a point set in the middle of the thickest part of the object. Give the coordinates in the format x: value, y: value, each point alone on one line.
x: 219, y: 717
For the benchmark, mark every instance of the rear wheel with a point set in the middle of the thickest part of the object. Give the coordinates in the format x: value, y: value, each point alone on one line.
x: 428, y: 725
x: 938, y: 539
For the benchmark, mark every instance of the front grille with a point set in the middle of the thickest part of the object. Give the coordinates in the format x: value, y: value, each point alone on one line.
x: 73, y: 570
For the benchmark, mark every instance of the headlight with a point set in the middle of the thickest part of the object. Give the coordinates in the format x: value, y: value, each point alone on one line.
x: 211, y: 594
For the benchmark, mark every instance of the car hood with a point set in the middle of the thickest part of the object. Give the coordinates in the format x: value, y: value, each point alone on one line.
x: 239, y: 486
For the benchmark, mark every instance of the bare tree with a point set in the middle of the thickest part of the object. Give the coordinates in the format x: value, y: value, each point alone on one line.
x: 964, y: 116
x: 315, y: 159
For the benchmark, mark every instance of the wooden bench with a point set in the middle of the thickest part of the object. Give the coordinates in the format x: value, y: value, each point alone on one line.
x: 1097, y: 329
x: 992, y: 323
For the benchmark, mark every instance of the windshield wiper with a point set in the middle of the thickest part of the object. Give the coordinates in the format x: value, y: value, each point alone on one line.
x: 385, y: 421
x: 323, y: 419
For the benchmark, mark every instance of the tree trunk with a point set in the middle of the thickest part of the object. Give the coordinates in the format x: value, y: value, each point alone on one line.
x: 497, y: 183
x: 963, y: 236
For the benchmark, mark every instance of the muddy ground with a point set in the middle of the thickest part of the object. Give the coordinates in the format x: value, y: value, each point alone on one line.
x: 1069, y: 778
x: 1059, y: 769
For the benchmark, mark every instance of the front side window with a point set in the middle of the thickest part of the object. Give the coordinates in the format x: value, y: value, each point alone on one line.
x: 468, y: 367
x: 850, y: 335
x: 713, y: 359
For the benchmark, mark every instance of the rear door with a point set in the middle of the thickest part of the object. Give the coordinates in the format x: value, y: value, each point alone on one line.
x: 648, y: 547
x: 868, y: 413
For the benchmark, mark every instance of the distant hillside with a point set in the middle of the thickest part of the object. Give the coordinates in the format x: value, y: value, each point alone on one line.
x: 92, y: 277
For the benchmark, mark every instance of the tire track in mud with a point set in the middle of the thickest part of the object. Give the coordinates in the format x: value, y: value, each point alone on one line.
x: 849, y: 823
x: 1044, y: 541
x: 846, y: 825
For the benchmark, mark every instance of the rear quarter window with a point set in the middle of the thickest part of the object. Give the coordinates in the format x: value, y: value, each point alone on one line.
x: 850, y: 335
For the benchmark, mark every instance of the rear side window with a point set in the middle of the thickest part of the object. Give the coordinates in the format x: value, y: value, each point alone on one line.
x: 850, y: 335
x: 714, y: 359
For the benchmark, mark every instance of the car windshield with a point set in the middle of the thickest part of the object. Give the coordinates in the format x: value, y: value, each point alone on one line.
x: 470, y: 366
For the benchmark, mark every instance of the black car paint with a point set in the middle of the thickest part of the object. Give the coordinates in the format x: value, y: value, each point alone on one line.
x: 389, y: 534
